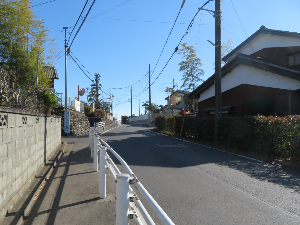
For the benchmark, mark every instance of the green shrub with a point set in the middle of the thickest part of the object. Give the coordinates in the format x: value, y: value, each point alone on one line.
x: 99, y: 113
x: 273, y: 136
x: 47, y: 98
x: 88, y: 110
x: 160, y: 123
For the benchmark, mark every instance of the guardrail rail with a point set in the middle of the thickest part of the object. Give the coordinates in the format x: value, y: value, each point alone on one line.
x: 128, y: 204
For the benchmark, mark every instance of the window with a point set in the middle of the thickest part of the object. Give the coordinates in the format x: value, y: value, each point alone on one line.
x: 294, y: 59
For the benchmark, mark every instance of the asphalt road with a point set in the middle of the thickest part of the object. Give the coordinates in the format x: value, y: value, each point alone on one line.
x: 201, y: 185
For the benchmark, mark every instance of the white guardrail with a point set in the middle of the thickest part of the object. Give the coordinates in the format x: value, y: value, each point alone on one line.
x: 128, y: 205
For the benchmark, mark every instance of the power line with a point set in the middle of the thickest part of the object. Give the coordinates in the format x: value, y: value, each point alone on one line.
x: 146, y: 21
x: 41, y: 4
x: 133, y: 83
x: 78, y: 19
x: 109, y: 10
x: 80, y: 63
x: 169, y: 35
x: 82, y: 23
x: 186, y: 32
x: 163, y: 46
x: 81, y: 68
x: 241, y: 23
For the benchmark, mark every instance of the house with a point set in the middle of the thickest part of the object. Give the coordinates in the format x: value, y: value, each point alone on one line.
x: 266, y: 65
x: 51, y: 75
x: 176, y: 99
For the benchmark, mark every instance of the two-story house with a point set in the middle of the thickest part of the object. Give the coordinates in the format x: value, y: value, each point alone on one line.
x: 266, y: 65
x: 176, y: 99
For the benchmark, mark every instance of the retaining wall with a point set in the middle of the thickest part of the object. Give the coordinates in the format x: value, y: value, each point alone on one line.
x: 26, y: 140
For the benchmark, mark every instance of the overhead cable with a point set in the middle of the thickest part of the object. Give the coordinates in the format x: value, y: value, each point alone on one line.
x: 82, y: 23
x: 80, y: 63
x: 186, y: 32
x: 78, y: 18
x: 41, y: 4
x: 133, y: 83
x: 169, y: 35
x: 109, y: 10
x: 80, y: 68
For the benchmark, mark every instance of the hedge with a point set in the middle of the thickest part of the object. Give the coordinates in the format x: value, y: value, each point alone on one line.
x: 272, y: 136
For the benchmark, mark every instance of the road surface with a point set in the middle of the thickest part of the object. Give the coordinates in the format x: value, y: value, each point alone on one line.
x: 201, y: 185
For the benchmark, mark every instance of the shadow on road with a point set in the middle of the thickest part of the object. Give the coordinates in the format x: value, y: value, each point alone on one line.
x: 153, y: 150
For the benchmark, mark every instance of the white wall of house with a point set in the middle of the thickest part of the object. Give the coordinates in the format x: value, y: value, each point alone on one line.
x: 267, y: 41
x: 249, y: 75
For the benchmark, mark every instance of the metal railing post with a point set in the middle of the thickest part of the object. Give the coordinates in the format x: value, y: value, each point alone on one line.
x: 102, y: 173
x: 96, y: 153
x: 90, y: 133
x: 122, y: 199
x: 92, y: 144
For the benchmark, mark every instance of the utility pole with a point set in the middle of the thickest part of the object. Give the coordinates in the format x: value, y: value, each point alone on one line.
x: 150, y: 108
x: 218, y: 91
x: 139, y: 106
x: 131, y: 101
x: 173, y: 85
x: 37, y: 76
x: 67, y: 113
x: 78, y: 93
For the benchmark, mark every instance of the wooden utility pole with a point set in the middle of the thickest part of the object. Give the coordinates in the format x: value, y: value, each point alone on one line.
x: 150, y: 108
x: 218, y: 91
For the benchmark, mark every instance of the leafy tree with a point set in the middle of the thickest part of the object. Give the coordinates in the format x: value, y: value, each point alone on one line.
x: 225, y: 49
x: 93, y: 96
x: 190, y: 104
x: 22, y: 36
x: 154, y: 108
x: 190, y: 67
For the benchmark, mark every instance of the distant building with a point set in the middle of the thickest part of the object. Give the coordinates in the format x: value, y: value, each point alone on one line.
x: 51, y: 75
x: 176, y: 99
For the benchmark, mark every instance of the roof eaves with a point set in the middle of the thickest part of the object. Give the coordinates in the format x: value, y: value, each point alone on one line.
x: 262, y: 30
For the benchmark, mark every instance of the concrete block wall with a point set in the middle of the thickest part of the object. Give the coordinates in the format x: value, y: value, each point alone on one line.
x: 26, y: 140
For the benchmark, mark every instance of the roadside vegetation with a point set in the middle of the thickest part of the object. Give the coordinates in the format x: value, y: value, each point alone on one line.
x: 272, y: 136
x: 25, y: 48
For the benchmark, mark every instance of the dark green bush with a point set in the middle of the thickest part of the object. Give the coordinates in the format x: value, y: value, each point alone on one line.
x: 88, y: 110
x: 160, y: 123
x: 273, y: 136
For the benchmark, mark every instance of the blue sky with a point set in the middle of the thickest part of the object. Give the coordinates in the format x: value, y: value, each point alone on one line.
x: 121, y: 43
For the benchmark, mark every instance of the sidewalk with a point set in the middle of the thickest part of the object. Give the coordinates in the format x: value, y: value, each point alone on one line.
x: 71, y: 195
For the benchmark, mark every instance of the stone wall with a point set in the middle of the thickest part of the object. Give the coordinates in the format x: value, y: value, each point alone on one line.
x: 79, y: 123
x: 26, y: 140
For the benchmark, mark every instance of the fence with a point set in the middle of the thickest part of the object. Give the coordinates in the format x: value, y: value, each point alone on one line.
x: 145, y: 117
x: 71, y: 102
x: 128, y: 205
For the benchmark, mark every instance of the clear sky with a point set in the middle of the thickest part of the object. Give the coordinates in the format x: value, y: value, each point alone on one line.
x: 121, y: 43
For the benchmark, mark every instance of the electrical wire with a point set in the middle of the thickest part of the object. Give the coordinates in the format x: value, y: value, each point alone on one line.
x: 41, y: 4
x: 169, y: 36
x: 82, y: 23
x: 241, y: 23
x: 186, y: 32
x: 81, y: 68
x: 80, y: 63
x: 145, y: 21
x: 108, y: 10
x: 163, y: 46
x: 78, y: 18
x: 133, y: 83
